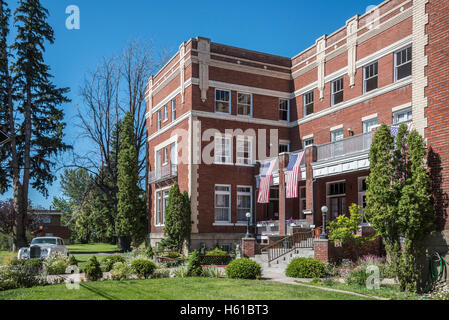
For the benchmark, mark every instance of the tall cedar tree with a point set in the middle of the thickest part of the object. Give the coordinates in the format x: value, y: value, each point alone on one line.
x: 131, y: 210
x: 177, y: 219
x: 35, y: 120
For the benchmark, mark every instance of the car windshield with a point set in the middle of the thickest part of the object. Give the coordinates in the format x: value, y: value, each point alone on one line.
x: 43, y: 241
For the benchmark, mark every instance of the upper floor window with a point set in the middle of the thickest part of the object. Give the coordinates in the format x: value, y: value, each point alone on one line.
x: 370, y: 77
x: 403, y: 63
x: 159, y: 119
x: 308, y: 103
x: 173, y: 109
x: 368, y: 125
x: 337, y: 135
x: 222, y: 101
x: 244, y: 150
x: 284, y: 147
x: 166, y: 112
x: 223, y: 149
x: 244, y: 104
x: 308, y: 142
x: 337, y: 91
x: 222, y: 203
x: 403, y: 116
x: 284, y: 110
x: 173, y: 154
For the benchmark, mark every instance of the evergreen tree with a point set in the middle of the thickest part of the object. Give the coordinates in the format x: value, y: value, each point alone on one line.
x: 35, y: 120
x: 130, y: 213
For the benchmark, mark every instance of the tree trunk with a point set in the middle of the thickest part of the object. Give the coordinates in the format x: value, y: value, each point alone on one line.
x: 19, y: 229
x: 124, y: 243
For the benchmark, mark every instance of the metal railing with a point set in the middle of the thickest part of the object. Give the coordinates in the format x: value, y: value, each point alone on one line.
x: 289, y: 244
x: 344, y: 147
x: 165, y: 172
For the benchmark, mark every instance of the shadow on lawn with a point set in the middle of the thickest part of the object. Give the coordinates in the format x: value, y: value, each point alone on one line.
x: 99, y: 292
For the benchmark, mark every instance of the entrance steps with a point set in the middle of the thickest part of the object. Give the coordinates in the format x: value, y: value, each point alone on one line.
x: 280, y: 264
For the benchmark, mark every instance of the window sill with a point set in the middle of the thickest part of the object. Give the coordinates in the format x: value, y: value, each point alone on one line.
x: 244, y: 165
x: 223, y: 224
x: 223, y: 163
x: 159, y: 225
x: 403, y: 79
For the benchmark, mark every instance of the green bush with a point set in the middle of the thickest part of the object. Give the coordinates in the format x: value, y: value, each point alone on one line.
x: 143, y: 267
x: 194, y: 268
x: 56, y: 264
x: 73, y: 261
x: 357, y: 276
x: 161, y: 273
x: 21, y: 274
x: 92, y: 269
x: 216, y: 252
x: 109, y: 261
x: 121, y: 271
x: 243, y: 268
x: 149, y: 252
x: 305, y: 268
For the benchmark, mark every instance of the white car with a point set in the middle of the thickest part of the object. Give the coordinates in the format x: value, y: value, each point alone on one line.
x: 41, y: 248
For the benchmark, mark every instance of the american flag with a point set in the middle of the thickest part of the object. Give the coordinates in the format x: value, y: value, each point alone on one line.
x: 292, y: 175
x: 265, y: 181
x: 395, y: 129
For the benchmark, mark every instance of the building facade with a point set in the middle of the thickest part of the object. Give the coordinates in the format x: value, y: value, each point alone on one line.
x: 217, y: 114
x: 47, y: 223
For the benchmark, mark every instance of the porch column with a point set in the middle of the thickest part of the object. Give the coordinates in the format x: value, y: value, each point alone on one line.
x: 283, y: 163
x: 311, y: 156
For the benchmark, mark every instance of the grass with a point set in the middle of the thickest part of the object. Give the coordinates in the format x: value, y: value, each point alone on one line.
x: 385, y: 291
x: 177, y: 289
x: 92, y: 248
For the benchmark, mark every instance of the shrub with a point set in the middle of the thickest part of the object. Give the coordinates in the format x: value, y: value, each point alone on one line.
x: 21, y: 274
x: 161, y: 273
x: 92, y: 269
x: 143, y: 267
x: 212, y: 272
x: 56, y: 263
x: 243, y: 268
x: 194, y: 265
x: 357, y: 276
x: 216, y: 252
x: 73, y: 261
x: 121, y: 271
x: 305, y: 268
x: 149, y: 252
x: 109, y: 261
x: 181, y: 272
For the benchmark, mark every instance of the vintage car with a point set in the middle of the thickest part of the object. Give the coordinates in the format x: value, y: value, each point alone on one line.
x: 41, y: 248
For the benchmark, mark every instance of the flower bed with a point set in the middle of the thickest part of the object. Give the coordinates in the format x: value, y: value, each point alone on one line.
x: 216, y: 260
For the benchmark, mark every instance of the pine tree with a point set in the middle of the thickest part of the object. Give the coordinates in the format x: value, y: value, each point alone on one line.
x: 129, y: 216
x: 35, y: 120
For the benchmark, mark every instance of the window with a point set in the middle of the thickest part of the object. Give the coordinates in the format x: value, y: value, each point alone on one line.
x: 165, y: 156
x: 284, y: 110
x: 403, y: 63
x: 222, y: 203
x: 166, y: 112
x: 362, y: 195
x: 244, y: 150
x: 308, y: 142
x: 337, y: 91
x: 244, y: 104
x: 158, y: 163
x: 223, y: 101
x: 403, y: 116
x: 159, y: 119
x: 244, y: 203
x: 223, y: 149
x: 370, y: 73
x: 336, y: 199
x: 284, y: 147
x: 308, y: 103
x: 368, y: 125
x: 173, y: 109
x: 173, y: 154
x: 47, y: 220
x: 158, y: 209
x: 164, y: 204
x: 302, y: 199
x: 337, y: 135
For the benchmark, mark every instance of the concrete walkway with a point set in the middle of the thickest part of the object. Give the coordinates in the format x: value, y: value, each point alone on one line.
x: 279, y: 277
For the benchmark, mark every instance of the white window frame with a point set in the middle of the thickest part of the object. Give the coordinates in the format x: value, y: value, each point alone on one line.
x: 305, y: 142
x: 173, y: 109
x: 333, y: 92
x: 283, y: 110
x: 159, y: 119
x: 334, y: 136
x: 240, y: 159
x: 400, y: 112
x: 311, y: 92
x: 166, y: 112
x: 250, y: 105
x: 165, y: 194
x: 165, y: 156
x: 366, y: 126
x: 250, y: 194
x: 158, y: 208
x: 220, y: 192
x: 229, y: 102
x: 365, y: 79
x: 217, y: 147
x: 396, y: 66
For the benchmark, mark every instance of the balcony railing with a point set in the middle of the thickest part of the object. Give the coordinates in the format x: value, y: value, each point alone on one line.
x: 344, y: 147
x: 164, y: 173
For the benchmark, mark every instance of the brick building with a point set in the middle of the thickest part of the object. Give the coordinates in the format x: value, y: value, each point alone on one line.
x: 385, y: 66
x: 47, y: 223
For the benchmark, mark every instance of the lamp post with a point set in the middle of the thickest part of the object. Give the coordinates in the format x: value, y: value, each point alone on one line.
x: 324, y: 210
x: 248, y: 216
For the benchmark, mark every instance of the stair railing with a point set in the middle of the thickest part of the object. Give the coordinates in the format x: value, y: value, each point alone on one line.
x: 289, y: 244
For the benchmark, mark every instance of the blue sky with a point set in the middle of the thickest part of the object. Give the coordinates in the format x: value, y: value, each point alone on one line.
x: 283, y: 28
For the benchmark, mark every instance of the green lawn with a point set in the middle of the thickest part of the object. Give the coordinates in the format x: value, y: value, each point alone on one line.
x: 177, y: 289
x: 92, y: 248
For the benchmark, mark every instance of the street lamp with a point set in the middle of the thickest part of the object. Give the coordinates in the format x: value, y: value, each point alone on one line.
x: 324, y: 210
x: 248, y: 216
